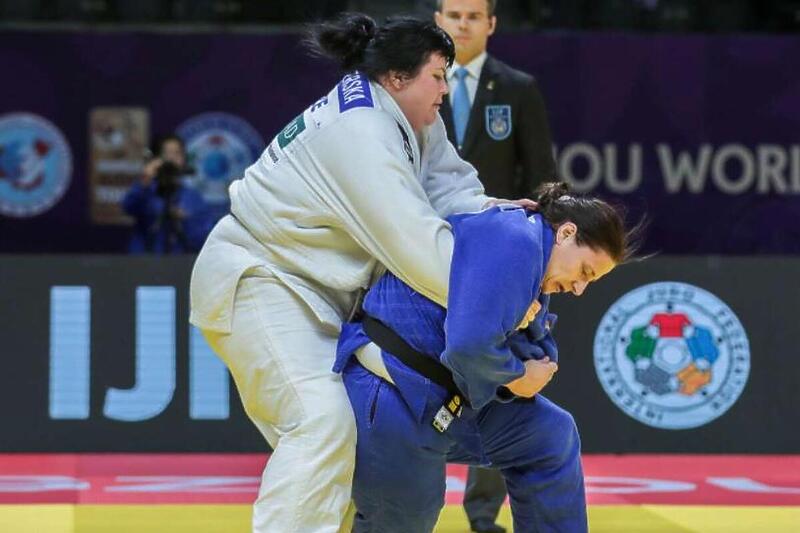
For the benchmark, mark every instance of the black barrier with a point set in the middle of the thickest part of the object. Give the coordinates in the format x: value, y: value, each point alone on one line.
x: 98, y: 356
x: 708, y: 184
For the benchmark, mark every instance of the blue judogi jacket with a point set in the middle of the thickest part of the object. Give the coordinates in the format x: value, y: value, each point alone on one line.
x: 499, y: 258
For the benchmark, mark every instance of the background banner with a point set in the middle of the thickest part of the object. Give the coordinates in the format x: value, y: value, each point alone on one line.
x: 699, y: 132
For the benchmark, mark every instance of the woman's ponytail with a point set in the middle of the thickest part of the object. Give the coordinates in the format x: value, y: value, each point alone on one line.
x: 344, y: 39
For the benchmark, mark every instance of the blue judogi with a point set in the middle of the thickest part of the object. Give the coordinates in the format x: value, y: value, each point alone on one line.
x: 499, y: 258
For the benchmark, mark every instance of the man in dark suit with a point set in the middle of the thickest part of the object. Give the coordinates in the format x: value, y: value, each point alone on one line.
x: 501, y: 127
x: 495, y: 116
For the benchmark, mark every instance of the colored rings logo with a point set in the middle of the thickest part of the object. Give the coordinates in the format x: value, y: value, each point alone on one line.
x: 35, y: 165
x: 672, y: 355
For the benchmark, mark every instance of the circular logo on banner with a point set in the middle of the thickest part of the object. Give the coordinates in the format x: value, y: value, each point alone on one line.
x: 672, y: 355
x: 35, y: 165
x: 220, y: 146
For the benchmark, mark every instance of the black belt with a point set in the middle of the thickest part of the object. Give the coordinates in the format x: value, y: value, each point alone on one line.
x: 391, y: 342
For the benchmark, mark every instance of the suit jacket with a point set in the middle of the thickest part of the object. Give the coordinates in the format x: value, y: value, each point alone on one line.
x: 507, y: 138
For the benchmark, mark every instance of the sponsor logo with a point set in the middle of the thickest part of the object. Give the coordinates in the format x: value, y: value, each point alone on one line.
x: 672, y: 355
x: 118, y: 137
x: 35, y: 165
x: 220, y: 146
x: 291, y: 131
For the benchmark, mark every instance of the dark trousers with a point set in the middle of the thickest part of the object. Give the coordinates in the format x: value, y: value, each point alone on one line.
x: 485, y: 493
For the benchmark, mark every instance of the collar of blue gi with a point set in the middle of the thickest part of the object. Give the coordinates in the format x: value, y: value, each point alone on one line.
x: 548, y: 238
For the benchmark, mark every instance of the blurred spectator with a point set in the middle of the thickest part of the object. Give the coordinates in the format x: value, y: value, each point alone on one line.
x: 732, y: 16
x: 384, y: 8
x: 17, y: 10
x: 257, y: 11
x: 169, y: 217
x: 606, y: 15
x: 779, y: 15
x: 669, y: 15
x: 85, y: 10
x: 144, y: 10
x: 209, y: 11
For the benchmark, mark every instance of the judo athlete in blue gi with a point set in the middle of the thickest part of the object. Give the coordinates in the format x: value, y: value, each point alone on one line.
x: 459, y: 384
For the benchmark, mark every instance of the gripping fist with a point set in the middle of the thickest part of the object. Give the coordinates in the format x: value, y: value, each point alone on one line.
x: 538, y: 373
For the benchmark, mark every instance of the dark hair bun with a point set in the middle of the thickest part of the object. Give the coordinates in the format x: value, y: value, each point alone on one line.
x: 344, y: 39
x: 547, y: 193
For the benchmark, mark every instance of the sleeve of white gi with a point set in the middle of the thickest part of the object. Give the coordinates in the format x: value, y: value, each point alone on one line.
x: 452, y: 184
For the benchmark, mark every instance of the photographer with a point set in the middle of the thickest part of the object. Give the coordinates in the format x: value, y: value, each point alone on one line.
x: 168, y: 216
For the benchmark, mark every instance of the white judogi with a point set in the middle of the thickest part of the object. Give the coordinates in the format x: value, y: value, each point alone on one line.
x: 345, y: 186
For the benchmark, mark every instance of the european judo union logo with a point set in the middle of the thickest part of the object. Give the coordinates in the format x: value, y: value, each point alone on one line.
x: 35, y: 165
x: 220, y: 146
x: 672, y: 355
x: 498, y: 121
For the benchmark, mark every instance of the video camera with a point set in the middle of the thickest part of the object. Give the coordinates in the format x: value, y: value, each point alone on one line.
x: 167, y: 177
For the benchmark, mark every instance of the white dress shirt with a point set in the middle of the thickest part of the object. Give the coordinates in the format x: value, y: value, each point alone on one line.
x: 474, y: 68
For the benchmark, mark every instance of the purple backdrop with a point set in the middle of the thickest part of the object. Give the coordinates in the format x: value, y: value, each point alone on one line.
x: 700, y: 133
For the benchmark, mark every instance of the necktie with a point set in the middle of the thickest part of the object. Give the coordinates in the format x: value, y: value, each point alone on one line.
x: 461, y: 105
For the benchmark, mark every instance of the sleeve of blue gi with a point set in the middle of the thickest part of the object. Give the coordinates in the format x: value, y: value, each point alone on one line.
x: 536, y: 341
x: 495, y: 274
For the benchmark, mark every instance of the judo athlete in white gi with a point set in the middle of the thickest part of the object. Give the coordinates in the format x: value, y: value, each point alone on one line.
x: 455, y: 386
x: 362, y: 177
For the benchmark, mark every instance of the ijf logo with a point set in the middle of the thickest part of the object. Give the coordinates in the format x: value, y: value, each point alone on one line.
x: 672, y: 355
x: 35, y: 165
x: 221, y: 146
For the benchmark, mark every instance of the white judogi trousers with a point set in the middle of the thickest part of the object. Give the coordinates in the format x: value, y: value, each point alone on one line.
x: 280, y: 357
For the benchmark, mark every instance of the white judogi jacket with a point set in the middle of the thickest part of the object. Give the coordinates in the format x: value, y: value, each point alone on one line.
x: 345, y: 186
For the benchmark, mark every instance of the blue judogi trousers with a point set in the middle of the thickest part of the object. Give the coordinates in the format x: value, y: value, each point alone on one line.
x: 399, y: 483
